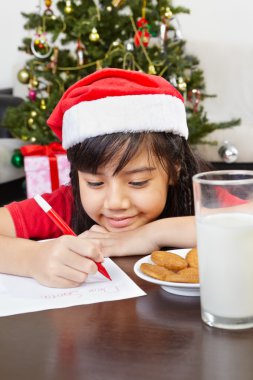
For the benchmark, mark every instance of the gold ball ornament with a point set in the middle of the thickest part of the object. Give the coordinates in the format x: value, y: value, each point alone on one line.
x: 168, y: 13
x: 33, y: 114
x: 68, y: 8
x: 30, y: 122
x: 34, y: 82
x: 23, y: 76
x: 43, y: 105
x: 181, y: 84
x: 94, y: 36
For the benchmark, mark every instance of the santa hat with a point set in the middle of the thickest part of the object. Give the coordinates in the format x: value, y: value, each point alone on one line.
x: 115, y: 100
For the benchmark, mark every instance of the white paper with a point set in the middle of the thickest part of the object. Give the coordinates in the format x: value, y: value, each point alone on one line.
x: 23, y: 295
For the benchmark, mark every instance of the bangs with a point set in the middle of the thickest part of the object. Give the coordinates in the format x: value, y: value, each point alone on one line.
x: 102, y: 150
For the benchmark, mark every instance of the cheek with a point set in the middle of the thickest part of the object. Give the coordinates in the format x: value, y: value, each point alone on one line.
x: 153, y: 202
x: 88, y: 201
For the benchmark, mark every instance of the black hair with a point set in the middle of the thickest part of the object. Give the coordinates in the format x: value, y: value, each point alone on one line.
x: 172, y: 151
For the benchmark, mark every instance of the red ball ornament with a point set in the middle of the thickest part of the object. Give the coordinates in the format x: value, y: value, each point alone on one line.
x: 141, y: 35
x: 142, y: 22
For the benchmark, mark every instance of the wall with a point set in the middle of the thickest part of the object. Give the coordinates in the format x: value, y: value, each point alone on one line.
x: 219, y: 33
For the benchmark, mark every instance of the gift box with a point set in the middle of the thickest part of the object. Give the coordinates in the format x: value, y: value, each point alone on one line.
x: 45, y: 169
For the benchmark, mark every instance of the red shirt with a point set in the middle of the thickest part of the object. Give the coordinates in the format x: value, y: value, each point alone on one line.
x: 30, y: 220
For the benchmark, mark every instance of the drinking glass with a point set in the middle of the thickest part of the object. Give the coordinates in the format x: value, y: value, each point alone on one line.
x: 224, y: 220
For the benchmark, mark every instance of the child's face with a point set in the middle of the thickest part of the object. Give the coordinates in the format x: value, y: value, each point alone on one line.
x: 131, y: 198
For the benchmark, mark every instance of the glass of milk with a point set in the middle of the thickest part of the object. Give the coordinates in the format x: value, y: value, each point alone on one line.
x: 224, y: 218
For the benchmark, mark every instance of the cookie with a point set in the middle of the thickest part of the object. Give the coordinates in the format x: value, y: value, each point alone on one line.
x: 169, y: 260
x: 155, y: 271
x: 189, y: 274
x: 192, y: 258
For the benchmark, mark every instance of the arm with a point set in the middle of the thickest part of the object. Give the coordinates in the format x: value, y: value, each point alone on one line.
x: 170, y: 232
x: 62, y: 262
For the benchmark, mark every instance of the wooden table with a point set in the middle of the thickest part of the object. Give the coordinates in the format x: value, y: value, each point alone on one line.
x: 155, y: 337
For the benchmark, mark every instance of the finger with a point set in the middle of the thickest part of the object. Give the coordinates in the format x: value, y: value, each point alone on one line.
x: 94, y: 234
x: 84, y: 247
x: 80, y: 263
x: 97, y: 228
x: 73, y: 275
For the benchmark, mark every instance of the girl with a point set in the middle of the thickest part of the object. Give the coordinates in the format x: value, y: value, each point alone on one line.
x: 131, y: 170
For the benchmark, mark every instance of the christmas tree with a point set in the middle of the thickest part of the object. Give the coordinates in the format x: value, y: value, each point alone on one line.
x: 81, y: 36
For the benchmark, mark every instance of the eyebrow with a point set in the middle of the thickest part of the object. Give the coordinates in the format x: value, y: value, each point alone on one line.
x: 140, y: 170
x: 134, y: 171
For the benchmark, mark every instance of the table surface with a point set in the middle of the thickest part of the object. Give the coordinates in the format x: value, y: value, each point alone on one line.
x: 154, y: 337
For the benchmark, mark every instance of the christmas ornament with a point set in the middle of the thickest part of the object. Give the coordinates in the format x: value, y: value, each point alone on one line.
x: 31, y: 124
x: 163, y: 35
x: 168, y: 13
x: 142, y: 34
x: 117, y: 3
x: 151, y: 69
x: 43, y: 105
x: 116, y: 43
x: 40, y: 46
x: 48, y: 11
x: 23, y: 76
x: 181, y: 84
x: 194, y: 97
x: 228, y: 152
x: 32, y: 94
x: 17, y: 159
x: 129, y: 46
x: 33, y: 113
x: 80, y: 51
x: 34, y: 82
x: 173, y: 80
x: 94, y: 36
x: 68, y: 7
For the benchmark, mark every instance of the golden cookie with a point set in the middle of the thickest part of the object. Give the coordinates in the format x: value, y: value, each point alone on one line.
x: 155, y: 271
x: 168, y: 260
x: 192, y: 258
x: 187, y: 275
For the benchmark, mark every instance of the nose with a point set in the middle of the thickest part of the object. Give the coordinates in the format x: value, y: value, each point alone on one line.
x: 116, y: 197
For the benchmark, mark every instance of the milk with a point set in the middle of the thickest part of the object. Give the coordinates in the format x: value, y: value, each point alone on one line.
x: 225, y: 249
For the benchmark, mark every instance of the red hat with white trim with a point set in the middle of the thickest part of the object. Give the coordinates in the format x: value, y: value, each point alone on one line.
x: 115, y: 100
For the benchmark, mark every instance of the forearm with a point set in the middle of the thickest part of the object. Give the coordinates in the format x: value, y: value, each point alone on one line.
x: 17, y: 255
x: 177, y: 232
x: 173, y: 232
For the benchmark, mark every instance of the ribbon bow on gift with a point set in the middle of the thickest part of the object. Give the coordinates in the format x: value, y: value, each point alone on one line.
x: 50, y: 151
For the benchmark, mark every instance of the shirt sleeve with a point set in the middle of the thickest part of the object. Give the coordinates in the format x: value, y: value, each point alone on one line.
x: 31, y: 222
x: 227, y: 199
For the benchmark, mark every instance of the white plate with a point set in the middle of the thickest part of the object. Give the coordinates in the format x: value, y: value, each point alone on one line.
x: 180, y: 288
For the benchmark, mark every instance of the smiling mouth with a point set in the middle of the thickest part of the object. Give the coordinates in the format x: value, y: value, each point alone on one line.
x: 120, y: 222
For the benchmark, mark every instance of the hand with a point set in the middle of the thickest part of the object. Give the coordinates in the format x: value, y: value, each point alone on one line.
x: 66, y: 261
x: 135, y: 242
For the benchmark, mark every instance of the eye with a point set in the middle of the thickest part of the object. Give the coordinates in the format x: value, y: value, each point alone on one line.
x: 139, y: 183
x: 94, y: 184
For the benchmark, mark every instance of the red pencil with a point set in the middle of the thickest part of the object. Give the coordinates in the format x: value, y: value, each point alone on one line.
x: 63, y: 226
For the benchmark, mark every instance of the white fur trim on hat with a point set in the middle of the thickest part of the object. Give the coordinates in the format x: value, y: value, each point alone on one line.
x: 129, y: 113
